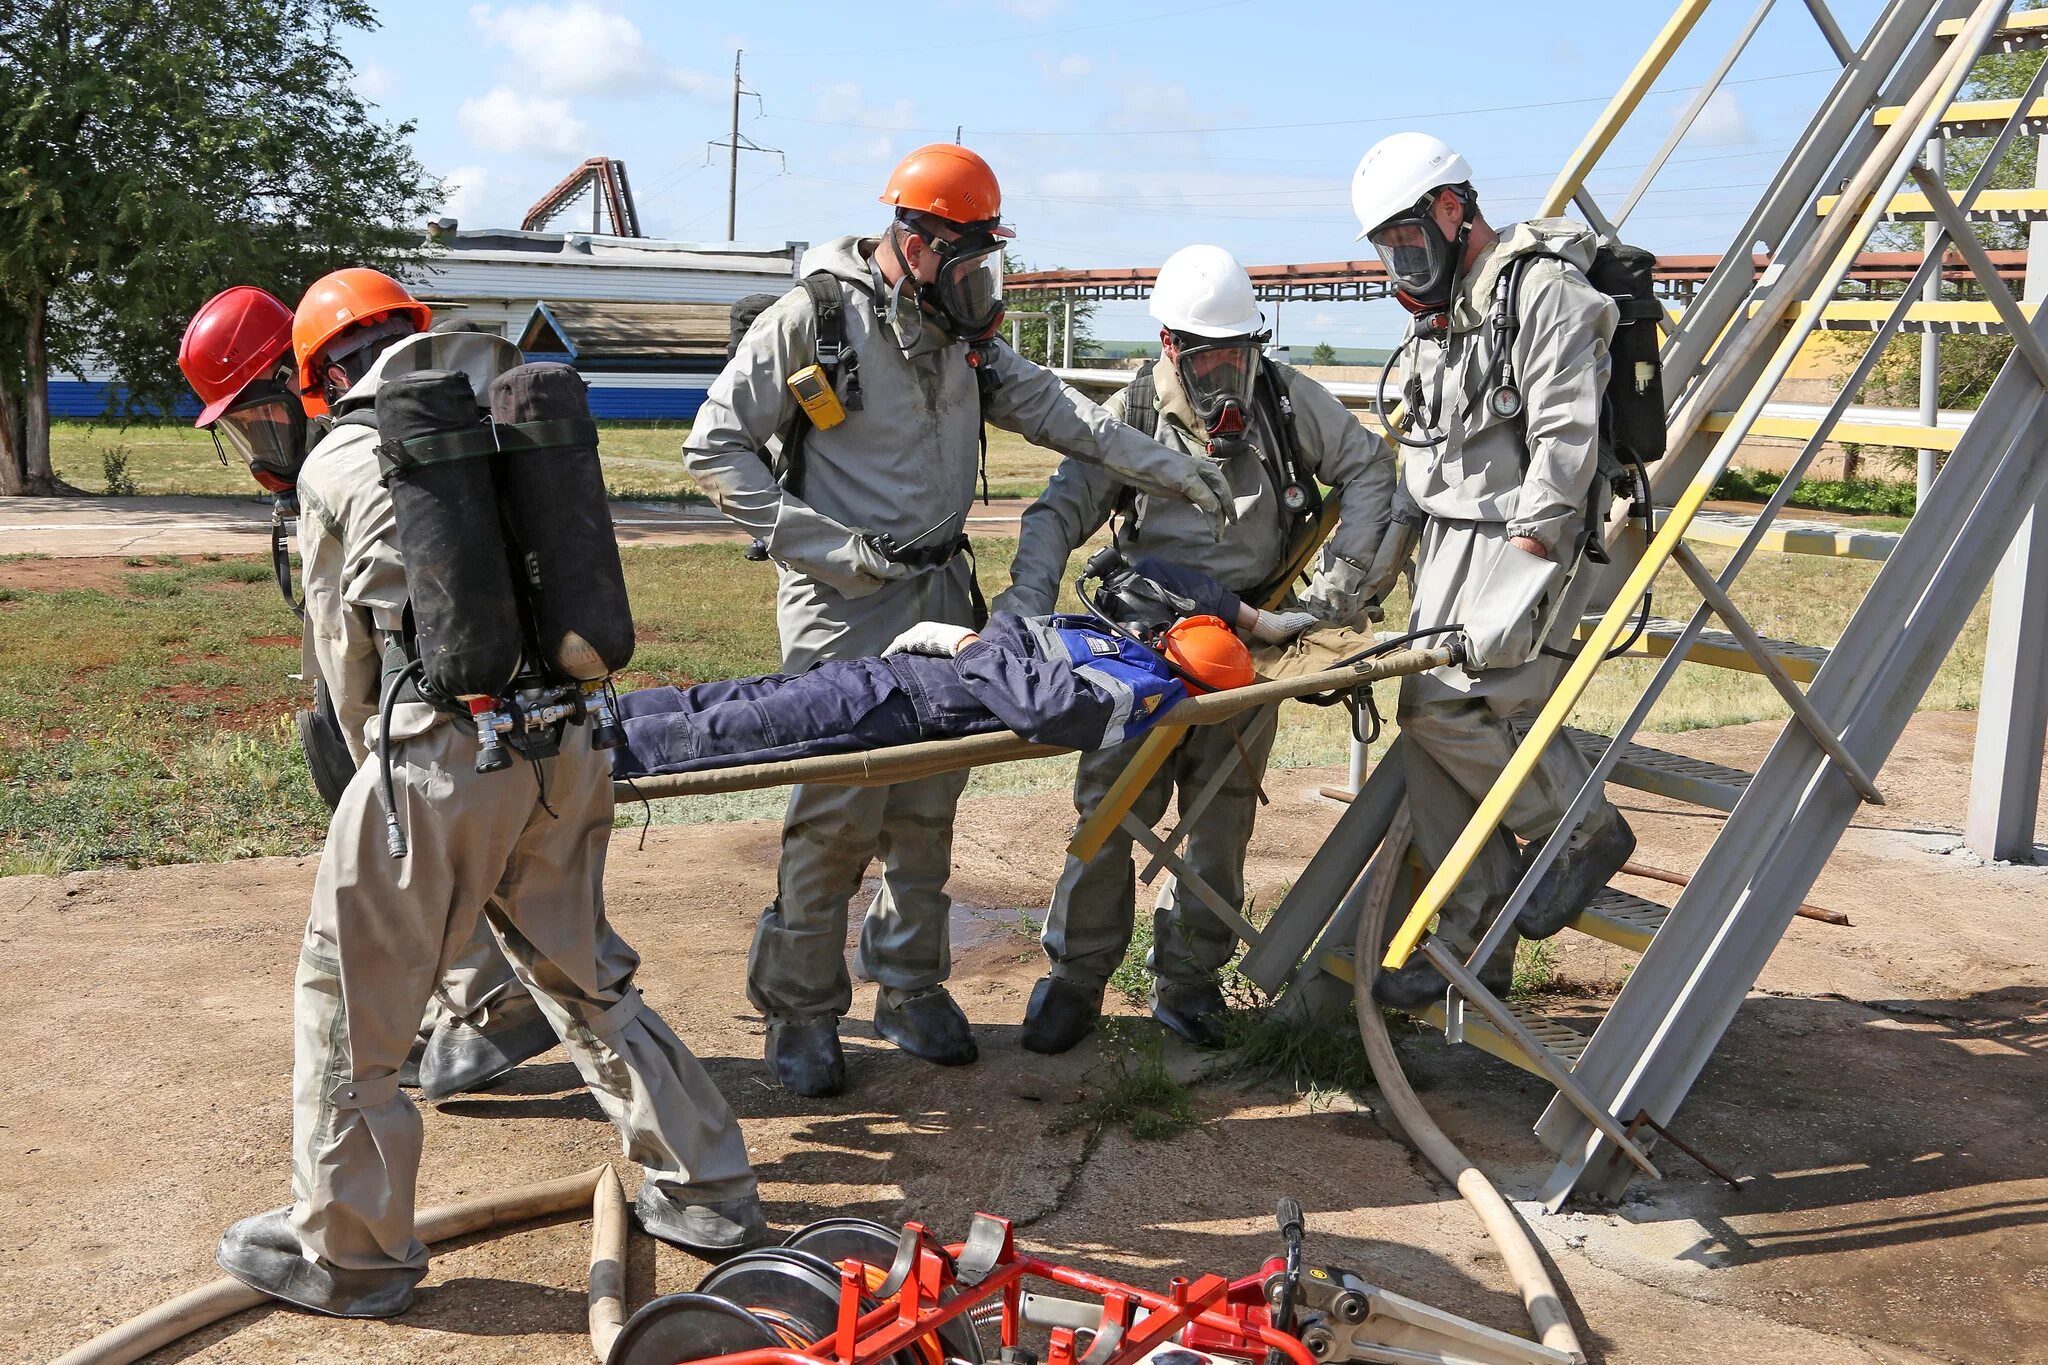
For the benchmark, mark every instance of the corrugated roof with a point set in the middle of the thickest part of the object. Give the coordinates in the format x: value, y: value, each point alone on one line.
x: 628, y: 331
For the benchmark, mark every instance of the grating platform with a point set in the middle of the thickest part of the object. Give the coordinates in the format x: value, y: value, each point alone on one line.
x: 1720, y: 649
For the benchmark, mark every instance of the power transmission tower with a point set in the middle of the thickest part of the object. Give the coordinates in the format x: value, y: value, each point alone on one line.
x: 734, y: 145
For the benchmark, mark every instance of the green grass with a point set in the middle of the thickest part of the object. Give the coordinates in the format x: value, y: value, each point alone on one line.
x: 119, y: 699
x: 1879, y: 497
x: 642, y: 461
x: 1137, y: 1093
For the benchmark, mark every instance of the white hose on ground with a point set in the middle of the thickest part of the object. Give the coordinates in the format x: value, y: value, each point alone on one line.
x: 202, y: 1307
x: 1510, y: 1238
x: 608, y: 1228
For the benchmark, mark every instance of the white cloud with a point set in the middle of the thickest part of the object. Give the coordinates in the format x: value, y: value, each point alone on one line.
x: 504, y: 120
x: 466, y: 187
x: 842, y: 102
x: 372, y: 82
x: 1722, y: 122
x: 1034, y: 10
x: 582, y: 48
x: 1067, y: 69
x: 1071, y: 184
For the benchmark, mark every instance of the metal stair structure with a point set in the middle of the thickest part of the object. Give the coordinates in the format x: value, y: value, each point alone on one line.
x: 1854, y: 166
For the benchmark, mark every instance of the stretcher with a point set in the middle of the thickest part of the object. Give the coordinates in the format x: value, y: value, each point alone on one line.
x: 928, y: 758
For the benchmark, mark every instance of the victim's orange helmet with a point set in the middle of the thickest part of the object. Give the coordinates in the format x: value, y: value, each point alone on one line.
x: 336, y: 303
x: 1209, y: 652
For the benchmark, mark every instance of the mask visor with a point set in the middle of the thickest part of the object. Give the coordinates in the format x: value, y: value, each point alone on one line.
x: 970, y: 292
x: 1218, y: 372
x: 267, y: 428
x: 1415, y: 254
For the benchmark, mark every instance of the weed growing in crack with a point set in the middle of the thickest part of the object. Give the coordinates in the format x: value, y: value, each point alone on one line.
x: 1138, y: 1093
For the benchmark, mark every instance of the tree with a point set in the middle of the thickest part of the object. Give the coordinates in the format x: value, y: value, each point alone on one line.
x: 153, y: 152
x: 1031, y: 332
x: 1323, y: 354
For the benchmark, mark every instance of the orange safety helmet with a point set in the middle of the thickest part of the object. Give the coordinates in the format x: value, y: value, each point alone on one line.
x: 1209, y: 652
x: 947, y: 181
x: 338, y: 301
x: 237, y: 337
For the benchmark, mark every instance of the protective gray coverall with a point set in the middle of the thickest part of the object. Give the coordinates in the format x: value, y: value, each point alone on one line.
x: 1088, y: 926
x: 903, y: 464
x: 382, y: 931
x: 1487, y: 480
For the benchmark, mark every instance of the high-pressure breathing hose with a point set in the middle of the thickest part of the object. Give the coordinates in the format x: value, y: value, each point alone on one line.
x: 387, y: 796
x: 1518, y: 1253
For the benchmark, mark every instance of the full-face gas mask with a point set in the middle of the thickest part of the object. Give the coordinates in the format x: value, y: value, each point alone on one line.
x: 349, y: 356
x: 1218, y: 374
x: 266, y: 427
x: 1423, y: 263
x: 965, y: 297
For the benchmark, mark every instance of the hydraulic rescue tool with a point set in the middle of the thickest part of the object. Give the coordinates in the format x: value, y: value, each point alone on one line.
x: 850, y: 1292
x: 517, y: 614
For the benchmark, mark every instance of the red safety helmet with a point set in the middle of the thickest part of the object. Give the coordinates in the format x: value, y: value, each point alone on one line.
x: 337, y: 302
x: 1209, y: 652
x: 237, y: 337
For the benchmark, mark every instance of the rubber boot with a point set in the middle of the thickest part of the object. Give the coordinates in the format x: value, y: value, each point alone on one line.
x: 1419, y: 985
x: 409, y: 1069
x: 1192, y: 1009
x: 1061, y: 1014
x: 712, y: 1228
x: 461, y: 1058
x: 805, y: 1055
x: 263, y: 1252
x: 926, y: 1024
x: 1578, y: 875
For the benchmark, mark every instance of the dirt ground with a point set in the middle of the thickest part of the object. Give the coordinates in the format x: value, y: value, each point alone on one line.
x: 1880, y: 1096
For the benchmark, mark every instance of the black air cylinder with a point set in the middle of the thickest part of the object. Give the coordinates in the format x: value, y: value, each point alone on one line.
x: 561, y: 525
x: 436, y: 453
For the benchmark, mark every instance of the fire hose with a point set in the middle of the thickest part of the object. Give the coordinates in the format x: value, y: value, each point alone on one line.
x: 174, y: 1318
x: 1517, y: 1252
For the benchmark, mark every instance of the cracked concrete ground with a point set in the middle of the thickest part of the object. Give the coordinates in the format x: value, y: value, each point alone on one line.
x: 1879, y: 1096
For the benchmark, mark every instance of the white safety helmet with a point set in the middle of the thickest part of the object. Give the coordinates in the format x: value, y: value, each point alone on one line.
x: 1398, y: 170
x: 1204, y: 291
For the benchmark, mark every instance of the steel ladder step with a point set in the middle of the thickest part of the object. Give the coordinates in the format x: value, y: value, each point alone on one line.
x: 1977, y: 118
x: 1862, y: 433
x: 1561, y: 1038
x: 1697, y: 781
x: 2019, y: 32
x: 1991, y: 206
x: 1948, y: 315
x: 1622, y: 918
x: 1718, y: 648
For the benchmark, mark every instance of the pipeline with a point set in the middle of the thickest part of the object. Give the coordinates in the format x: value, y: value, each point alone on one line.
x: 202, y: 1307
x: 1510, y: 1238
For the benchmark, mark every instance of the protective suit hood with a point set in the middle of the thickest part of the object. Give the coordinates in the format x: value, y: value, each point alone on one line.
x: 845, y: 257
x: 1566, y: 237
x: 479, y: 355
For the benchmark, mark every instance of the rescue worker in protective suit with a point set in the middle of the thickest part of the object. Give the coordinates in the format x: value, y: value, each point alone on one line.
x: 1276, y: 436
x: 529, y: 861
x: 866, y: 526
x: 1512, y: 487
x: 237, y: 355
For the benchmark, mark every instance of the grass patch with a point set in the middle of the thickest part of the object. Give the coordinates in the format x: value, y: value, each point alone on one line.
x: 112, y: 697
x: 1320, y: 1061
x: 1879, y: 497
x: 1138, y: 1094
x: 1538, y: 969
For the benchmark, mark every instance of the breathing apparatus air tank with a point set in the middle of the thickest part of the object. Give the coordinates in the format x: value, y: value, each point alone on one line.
x: 437, y: 456
x: 551, y: 487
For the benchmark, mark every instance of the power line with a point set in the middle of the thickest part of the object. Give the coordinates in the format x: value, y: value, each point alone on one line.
x: 1039, y: 36
x: 1410, y: 118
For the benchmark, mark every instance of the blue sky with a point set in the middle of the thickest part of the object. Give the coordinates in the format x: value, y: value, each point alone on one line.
x: 1121, y: 131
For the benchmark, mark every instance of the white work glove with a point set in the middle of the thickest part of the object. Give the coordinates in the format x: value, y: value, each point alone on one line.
x: 1508, y: 613
x: 1278, y: 627
x: 935, y: 638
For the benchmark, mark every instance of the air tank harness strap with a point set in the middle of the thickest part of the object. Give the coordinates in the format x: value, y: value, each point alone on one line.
x: 440, y: 448
x: 555, y: 433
